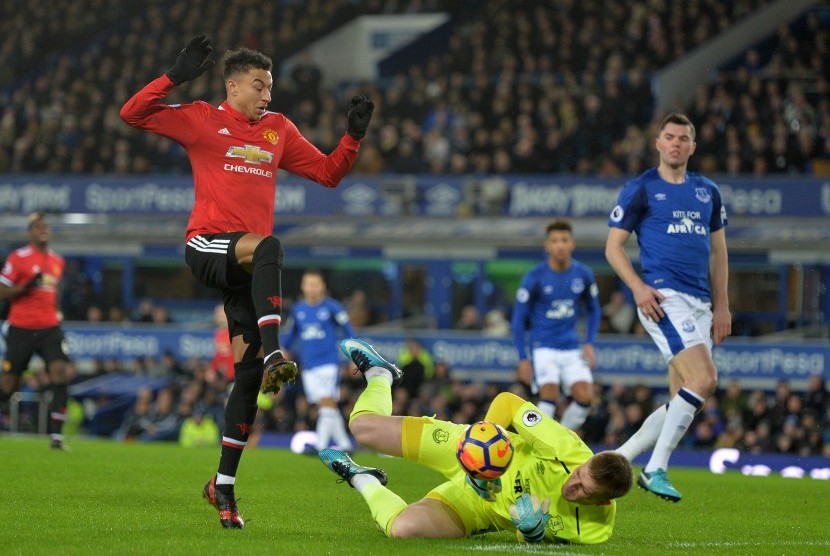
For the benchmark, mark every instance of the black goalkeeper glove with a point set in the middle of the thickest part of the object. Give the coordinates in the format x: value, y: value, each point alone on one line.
x: 360, y: 113
x: 192, y: 60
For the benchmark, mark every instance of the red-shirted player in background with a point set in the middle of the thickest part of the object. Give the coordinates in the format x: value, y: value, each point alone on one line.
x: 235, y: 150
x: 222, y: 361
x: 29, y: 280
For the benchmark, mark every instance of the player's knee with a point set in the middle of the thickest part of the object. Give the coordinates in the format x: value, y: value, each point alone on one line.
x: 708, y: 384
x: 269, y: 249
x: 582, y: 399
x: 404, y: 528
x: 581, y: 393
x: 361, y: 429
x: 703, y: 384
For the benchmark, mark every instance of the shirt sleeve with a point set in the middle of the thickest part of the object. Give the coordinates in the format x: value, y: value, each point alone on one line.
x: 302, y: 158
x: 718, y: 219
x: 521, y: 311
x: 631, y: 206
x: 591, y: 296
x: 179, y: 122
x: 10, y: 273
x: 341, y: 317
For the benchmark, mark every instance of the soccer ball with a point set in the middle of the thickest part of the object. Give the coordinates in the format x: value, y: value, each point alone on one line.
x: 484, y: 450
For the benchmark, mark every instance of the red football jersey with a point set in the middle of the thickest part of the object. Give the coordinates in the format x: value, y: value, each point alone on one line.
x: 235, y: 160
x: 38, y: 307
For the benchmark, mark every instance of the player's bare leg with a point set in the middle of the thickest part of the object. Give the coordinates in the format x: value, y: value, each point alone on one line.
x: 380, y: 433
x: 577, y: 411
x: 548, y: 396
x: 428, y: 519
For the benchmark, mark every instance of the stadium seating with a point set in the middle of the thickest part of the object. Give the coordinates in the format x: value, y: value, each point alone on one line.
x: 523, y: 87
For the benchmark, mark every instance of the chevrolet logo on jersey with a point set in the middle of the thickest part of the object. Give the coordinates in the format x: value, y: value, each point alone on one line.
x: 251, y: 153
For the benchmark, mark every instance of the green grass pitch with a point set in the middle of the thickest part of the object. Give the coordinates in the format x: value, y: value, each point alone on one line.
x: 109, y: 498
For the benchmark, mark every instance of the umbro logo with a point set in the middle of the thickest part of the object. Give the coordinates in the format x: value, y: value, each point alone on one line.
x: 224, y: 131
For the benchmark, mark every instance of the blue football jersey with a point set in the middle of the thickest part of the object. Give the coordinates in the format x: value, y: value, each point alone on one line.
x: 673, y: 222
x: 313, y: 333
x: 547, y: 304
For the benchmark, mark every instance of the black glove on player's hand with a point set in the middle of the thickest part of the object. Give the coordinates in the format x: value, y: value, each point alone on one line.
x: 360, y: 113
x: 192, y: 60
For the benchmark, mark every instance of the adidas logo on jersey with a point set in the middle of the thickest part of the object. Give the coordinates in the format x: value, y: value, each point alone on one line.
x: 224, y: 131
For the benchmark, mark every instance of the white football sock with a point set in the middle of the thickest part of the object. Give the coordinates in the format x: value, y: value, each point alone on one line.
x: 325, y: 424
x: 338, y: 432
x: 548, y: 408
x: 361, y: 480
x: 679, y: 416
x: 646, y: 436
x: 225, y: 479
x: 379, y: 371
x: 575, y: 414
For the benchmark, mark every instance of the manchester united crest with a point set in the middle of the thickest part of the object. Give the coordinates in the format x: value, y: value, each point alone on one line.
x: 271, y: 136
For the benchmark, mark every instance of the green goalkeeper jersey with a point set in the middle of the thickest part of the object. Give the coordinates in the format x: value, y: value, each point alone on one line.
x: 545, y: 453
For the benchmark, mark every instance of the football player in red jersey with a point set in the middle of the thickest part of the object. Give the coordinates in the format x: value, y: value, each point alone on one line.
x: 235, y: 150
x: 29, y: 280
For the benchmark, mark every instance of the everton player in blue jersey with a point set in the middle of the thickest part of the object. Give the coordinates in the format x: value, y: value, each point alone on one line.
x: 682, y: 301
x: 547, y: 305
x: 315, y: 321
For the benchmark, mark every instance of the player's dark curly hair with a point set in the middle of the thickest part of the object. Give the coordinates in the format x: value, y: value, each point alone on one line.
x: 243, y: 60
x: 613, y: 473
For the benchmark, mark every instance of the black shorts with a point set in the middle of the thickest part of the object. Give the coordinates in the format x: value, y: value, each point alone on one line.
x: 22, y: 343
x: 212, y: 259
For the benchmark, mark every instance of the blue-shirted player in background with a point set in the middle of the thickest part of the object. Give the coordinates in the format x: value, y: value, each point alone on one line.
x: 315, y: 321
x: 547, y: 305
x: 680, y: 221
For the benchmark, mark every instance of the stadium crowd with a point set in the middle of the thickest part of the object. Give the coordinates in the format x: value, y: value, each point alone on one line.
x: 522, y: 87
x: 190, y: 408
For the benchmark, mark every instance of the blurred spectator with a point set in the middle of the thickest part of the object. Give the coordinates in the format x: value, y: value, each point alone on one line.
x: 160, y: 315
x: 816, y: 398
x: 199, y: 430
x: 470, y: 319
x: 417, y: 366
x: 94, y: 314
x: 618, y: 313
x: 358, y: 308
x: 138, y: 418
x: 163, y: 423
x: 116, y: 314
x: 144, y: 312
x: 496, y: 324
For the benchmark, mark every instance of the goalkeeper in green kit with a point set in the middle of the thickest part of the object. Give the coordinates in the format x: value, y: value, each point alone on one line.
x: 555, y: 489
